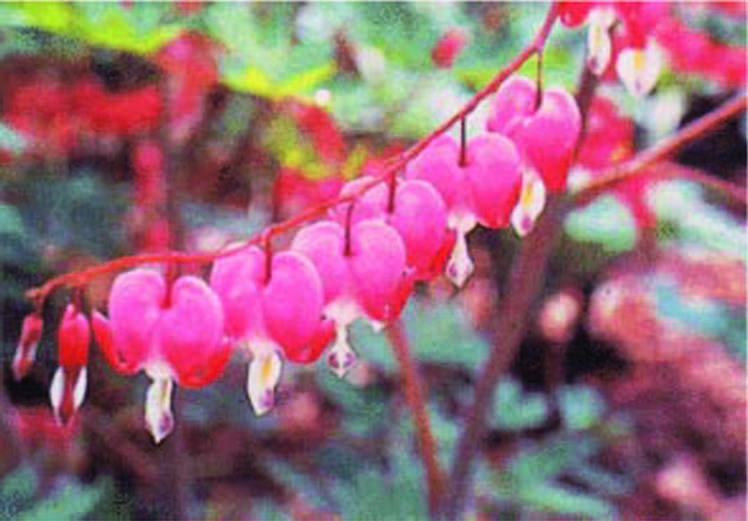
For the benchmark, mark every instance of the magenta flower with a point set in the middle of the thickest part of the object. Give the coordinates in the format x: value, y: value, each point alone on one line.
x: 363, y: 274
x: 271, y: 315
x: 482, y: 190
x: 173, y: 332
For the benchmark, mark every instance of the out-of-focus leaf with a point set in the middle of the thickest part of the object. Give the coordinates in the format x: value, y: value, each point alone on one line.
x: 71, y: 501
x: 263, y: 56
x: 17, y: 492
x: 81, y: 213
x: 363, y: 408
x: 696, y: 221
x: 437, y: 333
x: 371, y: 494
x: 11, y: 140
x: 108, y: 24
x: 514, y: 410
x: 10, y: 221
x: 600, y: 480
x: 605, y: 221
x: 267, y: 511
x: 581, y: 406
x: 560, y: 498
x: 531, y: 479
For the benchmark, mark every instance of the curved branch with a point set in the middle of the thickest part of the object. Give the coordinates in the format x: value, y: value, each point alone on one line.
x: 666, y: 148
x: 80, y: 278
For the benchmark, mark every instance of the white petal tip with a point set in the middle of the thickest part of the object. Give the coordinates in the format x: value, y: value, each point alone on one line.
x: 158, y: 416
x: 341, y: 358
x: 460, y: 266
x: 638, y: 69
x: 264, y: 374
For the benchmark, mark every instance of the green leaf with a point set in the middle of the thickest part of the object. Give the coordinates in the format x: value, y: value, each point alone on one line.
x: 10, y: 140
x: 515, y: 411
x: 106, y: 24
x: 606, y: 221
x: 364, y: 408
x: 559, y: 498
x: 438, y: 333
x: 71, y: 501
x: 17, y: 491
x: 581, y: 406
x: 10, y: 221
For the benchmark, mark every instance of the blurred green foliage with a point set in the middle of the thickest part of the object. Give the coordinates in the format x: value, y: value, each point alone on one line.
x: 66, y: 501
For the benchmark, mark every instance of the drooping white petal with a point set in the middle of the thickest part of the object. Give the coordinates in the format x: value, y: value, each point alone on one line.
x: 530, y: 205
x: 638, y: 69
x: 341, y: 357
x: 56, y: 391
x: 599, y: 45
x: 67, y: 391
x: 264, y: 373
x: 460, y: 266
x: 79, y: 388
x: 158, y: 416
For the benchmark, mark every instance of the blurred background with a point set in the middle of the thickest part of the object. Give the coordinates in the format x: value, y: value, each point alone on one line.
x: 128, y: 127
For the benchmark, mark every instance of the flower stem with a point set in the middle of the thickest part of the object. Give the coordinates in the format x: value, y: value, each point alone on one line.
x: 80, y: 278
x: 667, y: 148
x: 414, y: 395
x: 526, y: 280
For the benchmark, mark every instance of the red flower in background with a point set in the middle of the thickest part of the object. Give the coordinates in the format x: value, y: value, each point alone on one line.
x: 447, y: 47
x: 609, y: 139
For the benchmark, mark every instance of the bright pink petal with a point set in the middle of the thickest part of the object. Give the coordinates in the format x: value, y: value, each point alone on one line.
x: 191, y: 333
x: 323, y: 244
x: 495, y: 178
x: 377, y: 265
x: 134, y: 311
x: 237, y: 280
x: 292, y: 301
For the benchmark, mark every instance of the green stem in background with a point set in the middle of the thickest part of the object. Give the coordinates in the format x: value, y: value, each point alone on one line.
x: 414, y: 396
x: 526, y: 280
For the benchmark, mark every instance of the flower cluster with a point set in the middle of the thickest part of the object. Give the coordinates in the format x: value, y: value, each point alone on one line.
x: 361, y: 261
x: 631, y: 40
x: 621, y: 39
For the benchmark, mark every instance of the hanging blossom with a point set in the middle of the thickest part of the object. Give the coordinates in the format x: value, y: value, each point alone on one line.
x: 172, y: 331
x: 68, y: 388
x: 479, y: 184
x: 622, y: 38
x: 273, y: 311
x: 364, y: 274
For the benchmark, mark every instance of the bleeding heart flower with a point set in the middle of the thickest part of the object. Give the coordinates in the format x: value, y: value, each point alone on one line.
x: 363, y: 272
x: 173, y: 333
x: 31, y: 333
x: 271, y: 315
x: 483, y: 190
x: 415, y: 210
x: 639, y: 68
x: 546, y: 135
x: 68, y: 386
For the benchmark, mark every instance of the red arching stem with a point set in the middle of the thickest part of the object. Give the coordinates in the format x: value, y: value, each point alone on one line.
x: 39, y: 295
x: 668, y: 147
